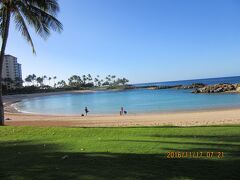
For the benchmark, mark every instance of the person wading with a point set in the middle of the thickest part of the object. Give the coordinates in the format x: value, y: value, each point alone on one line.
x: 86, y: 110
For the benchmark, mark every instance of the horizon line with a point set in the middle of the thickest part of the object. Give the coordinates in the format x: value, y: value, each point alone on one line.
x: 186, y: 80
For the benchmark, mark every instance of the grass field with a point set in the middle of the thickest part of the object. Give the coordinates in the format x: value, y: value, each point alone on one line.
x: 118, y: 153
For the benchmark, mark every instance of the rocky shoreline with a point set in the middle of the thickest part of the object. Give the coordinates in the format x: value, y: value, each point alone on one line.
x: 200, y: 88
x: 219, y: 88
x: 192, y: 86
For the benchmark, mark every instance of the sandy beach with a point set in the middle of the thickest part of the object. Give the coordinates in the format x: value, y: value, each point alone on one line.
x: 214, y: 117
x: 193, y: 118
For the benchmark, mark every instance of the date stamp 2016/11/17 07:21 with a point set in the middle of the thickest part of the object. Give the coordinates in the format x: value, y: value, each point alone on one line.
x: 180, y: 155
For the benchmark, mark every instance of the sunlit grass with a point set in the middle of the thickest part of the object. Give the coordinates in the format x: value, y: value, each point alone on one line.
x: 119, y: 153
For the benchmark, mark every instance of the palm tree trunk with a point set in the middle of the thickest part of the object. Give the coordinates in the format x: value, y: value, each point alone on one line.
x: 6, y: 23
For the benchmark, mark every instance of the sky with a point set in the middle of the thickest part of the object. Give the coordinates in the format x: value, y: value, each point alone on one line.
x: 142, y: 40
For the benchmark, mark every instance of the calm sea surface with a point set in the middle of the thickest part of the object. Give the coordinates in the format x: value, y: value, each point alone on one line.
x: 134, y: 101
x: 210, y: 81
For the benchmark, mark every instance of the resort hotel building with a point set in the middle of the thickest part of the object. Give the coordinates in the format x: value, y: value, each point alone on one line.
x: 12, y: 72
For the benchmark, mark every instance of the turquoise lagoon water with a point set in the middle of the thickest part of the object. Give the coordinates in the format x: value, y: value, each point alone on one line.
x: 134, y: 101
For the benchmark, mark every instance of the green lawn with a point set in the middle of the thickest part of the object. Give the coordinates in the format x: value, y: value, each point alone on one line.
x: 118, y: 153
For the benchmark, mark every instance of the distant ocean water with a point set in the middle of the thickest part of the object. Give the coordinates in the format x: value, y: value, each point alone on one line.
x: 209, y: 81
x: 134, y: 101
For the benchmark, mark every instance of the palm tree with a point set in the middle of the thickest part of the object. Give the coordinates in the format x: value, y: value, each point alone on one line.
x: 113, y: 79
x: 100, y: 82
x: 108, y: 80
x: 54, y: 78
x: 84, y: 77
x: 96, y: 80
x: 40, y: 14
x: 40, y: 81
x: 124, y: 81
x: 34, y: 78
x: 28, y: 79
x: 44, y: 77
x: 89, y: 78
x: 75, y: 81
x: 49, y: 80
x: 62, y: 84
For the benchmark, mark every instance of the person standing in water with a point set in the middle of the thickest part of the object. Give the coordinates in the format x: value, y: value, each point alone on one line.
x: 86, y: 110
x: 121, y: 111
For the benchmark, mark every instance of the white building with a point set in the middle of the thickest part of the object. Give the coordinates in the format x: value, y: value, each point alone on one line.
x: 11, y: 70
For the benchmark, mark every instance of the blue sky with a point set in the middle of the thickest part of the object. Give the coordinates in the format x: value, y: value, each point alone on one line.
x: 142, y: 40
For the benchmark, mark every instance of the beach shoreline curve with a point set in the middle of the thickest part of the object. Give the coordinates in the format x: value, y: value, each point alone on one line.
x: 184, y: 118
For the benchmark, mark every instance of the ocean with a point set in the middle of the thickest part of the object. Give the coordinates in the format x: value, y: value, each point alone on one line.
x: 209, y: 81
x: 134, y: 101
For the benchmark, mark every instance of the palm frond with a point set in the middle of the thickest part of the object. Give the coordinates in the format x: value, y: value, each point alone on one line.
x: 47, y: 19
x: 50, y: 6
x: 1, y: 21
x: 41, y: 20
x: 22, y: 27
x: 39, y: 14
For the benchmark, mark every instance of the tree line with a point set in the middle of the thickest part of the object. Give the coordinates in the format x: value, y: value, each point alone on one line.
x: 16, y: 83
x: 75, y: 81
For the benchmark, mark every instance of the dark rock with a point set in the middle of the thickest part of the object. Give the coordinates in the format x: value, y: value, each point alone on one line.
x: 193, y: 86
x: 218, y: 88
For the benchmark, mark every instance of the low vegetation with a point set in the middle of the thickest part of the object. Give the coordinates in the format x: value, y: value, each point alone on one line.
x: 35, y: 84
x: 118, y: 153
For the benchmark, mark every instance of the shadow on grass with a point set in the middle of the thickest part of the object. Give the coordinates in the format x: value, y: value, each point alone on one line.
x: 217, y: 138
x: 220, y: 147
x: 30, y: 160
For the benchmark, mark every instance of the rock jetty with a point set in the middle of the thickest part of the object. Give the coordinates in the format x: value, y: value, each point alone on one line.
x: 219, y: 88
x: 192, y: 86
x: 198, y: 88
